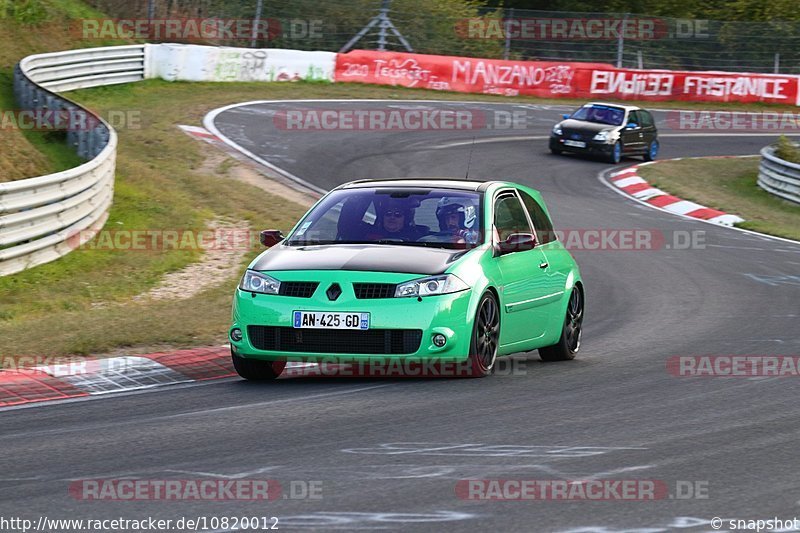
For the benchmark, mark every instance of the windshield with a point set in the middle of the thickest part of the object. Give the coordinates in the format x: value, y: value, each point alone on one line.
x: 438, y: 218
x: 600, y: 114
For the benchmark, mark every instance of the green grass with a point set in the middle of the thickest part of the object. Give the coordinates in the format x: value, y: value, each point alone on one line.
x: 787, y: 150
x: 728, y: 185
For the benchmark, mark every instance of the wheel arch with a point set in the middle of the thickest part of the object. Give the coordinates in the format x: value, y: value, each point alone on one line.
x: 478, y: 293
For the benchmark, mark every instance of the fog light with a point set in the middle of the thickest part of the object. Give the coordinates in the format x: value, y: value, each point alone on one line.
x: 439, y: 340
x: 236, y: 335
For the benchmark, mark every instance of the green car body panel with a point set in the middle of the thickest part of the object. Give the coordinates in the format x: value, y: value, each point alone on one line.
x: 532, y: 288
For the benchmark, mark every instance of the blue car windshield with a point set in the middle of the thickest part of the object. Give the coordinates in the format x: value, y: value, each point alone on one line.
x: 436, y: 218
x: 600, y: 114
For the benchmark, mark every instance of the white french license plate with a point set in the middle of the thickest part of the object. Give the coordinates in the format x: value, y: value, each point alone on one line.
x: 576, y: 144
x: 319, y: 320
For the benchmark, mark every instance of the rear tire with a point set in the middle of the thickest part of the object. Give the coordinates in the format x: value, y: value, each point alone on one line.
x: 570, y: 341
x: 652, y: 151
x: 257, y: 370
x: 485, y: 337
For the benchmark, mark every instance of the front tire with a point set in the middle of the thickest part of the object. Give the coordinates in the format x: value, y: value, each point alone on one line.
x: 555, y: 151
x: 570, y: 341
x: 485, y: 337
x: 256, y: 370
x: 616, y: 153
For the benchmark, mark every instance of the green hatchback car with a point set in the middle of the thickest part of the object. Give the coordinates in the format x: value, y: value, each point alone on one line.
x: 421, y: 270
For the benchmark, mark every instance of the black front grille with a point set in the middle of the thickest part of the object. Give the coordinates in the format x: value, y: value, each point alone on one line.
x: 371, y: 341
x: 298, y: 289
x: 369, y: 291
x: 578, y: 135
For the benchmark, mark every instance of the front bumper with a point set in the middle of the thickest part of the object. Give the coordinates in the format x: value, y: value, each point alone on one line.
x: 592, y: 147
x: 449, y: 314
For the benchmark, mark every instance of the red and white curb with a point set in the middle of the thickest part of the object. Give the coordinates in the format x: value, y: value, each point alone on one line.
x: 25, y: 380
x: 632, y: 184
x: 68, y: 378
x: 199, y: 133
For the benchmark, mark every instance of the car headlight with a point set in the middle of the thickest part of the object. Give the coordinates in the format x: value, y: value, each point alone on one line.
x: 430, y: 286
x: 557, y: 130
x: 253, y: 281
x: 602, y: 136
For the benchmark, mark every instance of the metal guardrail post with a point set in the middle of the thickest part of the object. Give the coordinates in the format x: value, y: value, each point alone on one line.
x: 779, y: 177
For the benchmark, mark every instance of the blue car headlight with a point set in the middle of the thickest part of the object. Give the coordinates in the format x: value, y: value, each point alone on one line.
x: 430, y: 286
x: 557, y: 130
x: 253, y: 281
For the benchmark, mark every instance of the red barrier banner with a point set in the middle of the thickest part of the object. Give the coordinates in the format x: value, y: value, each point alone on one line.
x: 550, y: 79
x: 545, y: 79
x: 660, y: 85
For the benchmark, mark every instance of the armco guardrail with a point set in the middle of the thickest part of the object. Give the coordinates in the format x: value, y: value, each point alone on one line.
x: 779, y: 177
x: 44, y: 218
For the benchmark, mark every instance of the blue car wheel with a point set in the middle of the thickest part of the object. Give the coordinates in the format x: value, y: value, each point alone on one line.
x: 616, y: 153
x: 652, y: 151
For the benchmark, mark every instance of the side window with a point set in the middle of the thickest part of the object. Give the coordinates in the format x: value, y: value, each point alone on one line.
x: 509, y: 216
x: 541, y: 222
x: 647, y: 119
x: 634, y: 117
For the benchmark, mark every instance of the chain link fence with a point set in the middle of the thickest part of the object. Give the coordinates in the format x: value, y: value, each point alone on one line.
x: 457, y: 27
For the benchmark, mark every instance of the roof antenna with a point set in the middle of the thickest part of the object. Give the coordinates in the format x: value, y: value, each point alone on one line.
x: 469, y: 161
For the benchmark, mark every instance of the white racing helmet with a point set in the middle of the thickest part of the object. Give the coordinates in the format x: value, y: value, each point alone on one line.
x: 466, y: 209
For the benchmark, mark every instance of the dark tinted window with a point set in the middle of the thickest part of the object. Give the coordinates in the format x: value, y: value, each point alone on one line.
x: 635, y: 118
x: 509, y: 216
x: 600, y: 114
x: 647, y: 118
x: 541, y: 222
x: 399, y: 216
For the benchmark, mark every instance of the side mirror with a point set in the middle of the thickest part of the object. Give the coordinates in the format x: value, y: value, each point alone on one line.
x: 518, y: 242
x: 271, y: 237
x: 565, y: 116
x: 631, y: 126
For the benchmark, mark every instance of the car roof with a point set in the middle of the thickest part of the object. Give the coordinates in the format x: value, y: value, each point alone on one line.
x: 621, y: 106
x: 438, y: 183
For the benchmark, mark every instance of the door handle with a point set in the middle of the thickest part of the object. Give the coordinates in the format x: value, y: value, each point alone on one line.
x: 544, y: 265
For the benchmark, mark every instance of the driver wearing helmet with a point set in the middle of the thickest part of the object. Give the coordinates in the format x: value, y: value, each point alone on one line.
x: 457, y: 218
x: 395, y: 221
